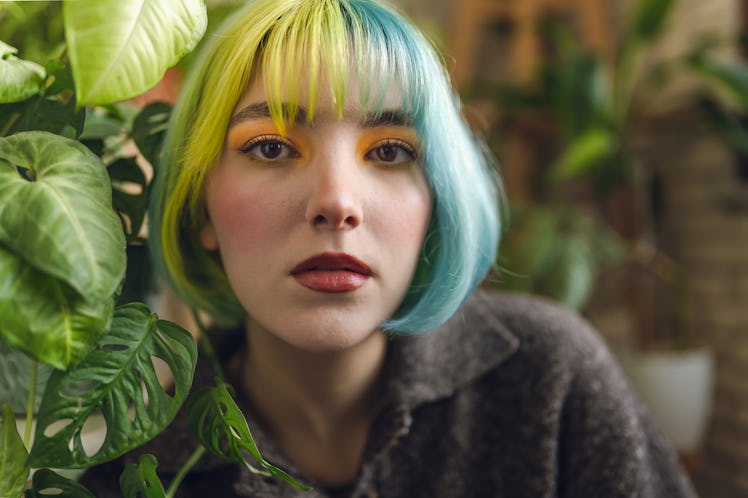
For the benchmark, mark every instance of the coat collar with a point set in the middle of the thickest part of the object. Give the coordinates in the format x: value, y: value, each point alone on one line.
x: 418, y: 369
x: 435, y: 364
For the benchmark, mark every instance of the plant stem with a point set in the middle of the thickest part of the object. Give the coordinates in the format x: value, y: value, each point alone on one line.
x: 184, y: 470
x: 30, y: 405
x: 208, y: 345
x: 10, y: 124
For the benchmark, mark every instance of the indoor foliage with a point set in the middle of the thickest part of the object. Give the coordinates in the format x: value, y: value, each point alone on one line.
x: 72, y: 203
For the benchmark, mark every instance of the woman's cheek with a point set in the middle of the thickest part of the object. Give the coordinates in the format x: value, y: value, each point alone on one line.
x: 242, y: 213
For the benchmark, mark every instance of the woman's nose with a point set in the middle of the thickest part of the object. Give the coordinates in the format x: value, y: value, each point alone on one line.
x: 335, y: 200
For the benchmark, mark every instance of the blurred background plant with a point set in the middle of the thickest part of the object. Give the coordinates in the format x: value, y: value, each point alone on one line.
x: 584, y: 202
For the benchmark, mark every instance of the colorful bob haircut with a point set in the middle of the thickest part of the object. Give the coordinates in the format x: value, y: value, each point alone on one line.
x: 276, y: 38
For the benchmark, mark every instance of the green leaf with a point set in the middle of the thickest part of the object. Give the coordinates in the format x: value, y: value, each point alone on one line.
x: 528, y: 247
x: 15, y: 369
x: 222, y: 429
x: 45, y: 317
x: 649, y: 19
x: 727, y: 124
x: 121, y: 49
x: 20, y: 79
x: 730, y: 75
x: 149, y: 130
x: 57, y: 214
x: 53, y: 115
x: 13, y: 469
x: 129, y: 194
x: 140, y: 279
x: 574, y: 272
x: 100, y: 125
x: 118, y: 375
x: 585, y: 152
x: 48, y: 483
x: 141, y: 480
x: 54, y: 108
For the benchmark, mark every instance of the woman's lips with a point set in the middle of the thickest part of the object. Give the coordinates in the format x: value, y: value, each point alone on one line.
x: 332, y: 272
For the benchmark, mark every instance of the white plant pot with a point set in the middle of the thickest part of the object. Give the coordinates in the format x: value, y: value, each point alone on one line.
x: 677, y: 387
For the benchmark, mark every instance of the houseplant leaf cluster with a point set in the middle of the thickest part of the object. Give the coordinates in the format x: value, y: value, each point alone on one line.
x: 571, y: 230
x: 74, y: 349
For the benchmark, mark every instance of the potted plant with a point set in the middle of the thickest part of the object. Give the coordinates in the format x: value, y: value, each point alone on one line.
x: 73, y: 351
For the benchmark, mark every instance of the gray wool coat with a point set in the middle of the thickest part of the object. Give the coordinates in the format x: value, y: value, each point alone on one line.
x: 514, y: 397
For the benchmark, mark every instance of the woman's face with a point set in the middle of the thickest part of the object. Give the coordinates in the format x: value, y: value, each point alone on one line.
x: 320, y: 230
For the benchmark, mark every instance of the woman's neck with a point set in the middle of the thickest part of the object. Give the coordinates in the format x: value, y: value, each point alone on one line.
x: 318, y: 406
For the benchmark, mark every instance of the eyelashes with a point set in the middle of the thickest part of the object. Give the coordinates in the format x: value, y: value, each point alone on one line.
x: 271, y: 148
x: 392, y: 151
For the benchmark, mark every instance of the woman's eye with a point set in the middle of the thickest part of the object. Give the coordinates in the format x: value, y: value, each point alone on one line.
x: 392, y: 152
x: 269, y: 149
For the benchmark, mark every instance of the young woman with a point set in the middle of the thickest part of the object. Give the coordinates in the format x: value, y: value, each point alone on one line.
x: 321, y: 194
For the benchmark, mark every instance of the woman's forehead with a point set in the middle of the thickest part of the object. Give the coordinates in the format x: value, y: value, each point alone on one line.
x: 359, y: 100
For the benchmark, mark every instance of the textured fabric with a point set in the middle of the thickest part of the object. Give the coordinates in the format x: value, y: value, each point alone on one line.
x: 513, y: 397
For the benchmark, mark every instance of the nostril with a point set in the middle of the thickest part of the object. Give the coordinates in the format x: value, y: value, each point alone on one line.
x: 351, y: 221
x: 319, y: 219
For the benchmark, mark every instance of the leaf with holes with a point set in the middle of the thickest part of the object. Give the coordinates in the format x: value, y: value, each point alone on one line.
x: 149, y: 130
x: 13, y: 469
x: 117, y: 376
x: 141, y: 480
x: 221, y: 427
x: 129, y: 194
x: 56, y: 212
x: 48, y: 483
x: 121, y: 49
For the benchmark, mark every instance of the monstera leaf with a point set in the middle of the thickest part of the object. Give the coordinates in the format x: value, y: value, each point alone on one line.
x: 13, y: 471
x: 48, y: 483
x: 117, y: 375
x: 222, y: 429
x: 119, y: 49
x: 141, y: 480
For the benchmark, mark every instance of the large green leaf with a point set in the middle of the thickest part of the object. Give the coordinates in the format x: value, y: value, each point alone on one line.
x: 45, y: 317
x: 222, y: 429
x: 13, y: 469
x: 15, y: 377
x: 121, y: 48
x: 118, y: 375
x: 19, y: 79
x: 47, y: 483
x: 141, y: 480
x: 57, y: 213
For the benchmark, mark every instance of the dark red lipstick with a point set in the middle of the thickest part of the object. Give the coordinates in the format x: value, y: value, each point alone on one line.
x: 332, y: 272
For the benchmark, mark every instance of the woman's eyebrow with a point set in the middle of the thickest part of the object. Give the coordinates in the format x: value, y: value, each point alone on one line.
x: 260, y: 110
x: 387, y: 118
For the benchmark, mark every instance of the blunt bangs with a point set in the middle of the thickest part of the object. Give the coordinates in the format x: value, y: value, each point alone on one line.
x: 295, y: 45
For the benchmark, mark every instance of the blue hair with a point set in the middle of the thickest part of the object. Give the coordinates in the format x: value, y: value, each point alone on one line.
x: 463, y: 236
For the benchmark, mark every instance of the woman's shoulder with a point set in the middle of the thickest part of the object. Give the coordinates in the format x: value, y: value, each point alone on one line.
x: 538, y: 325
